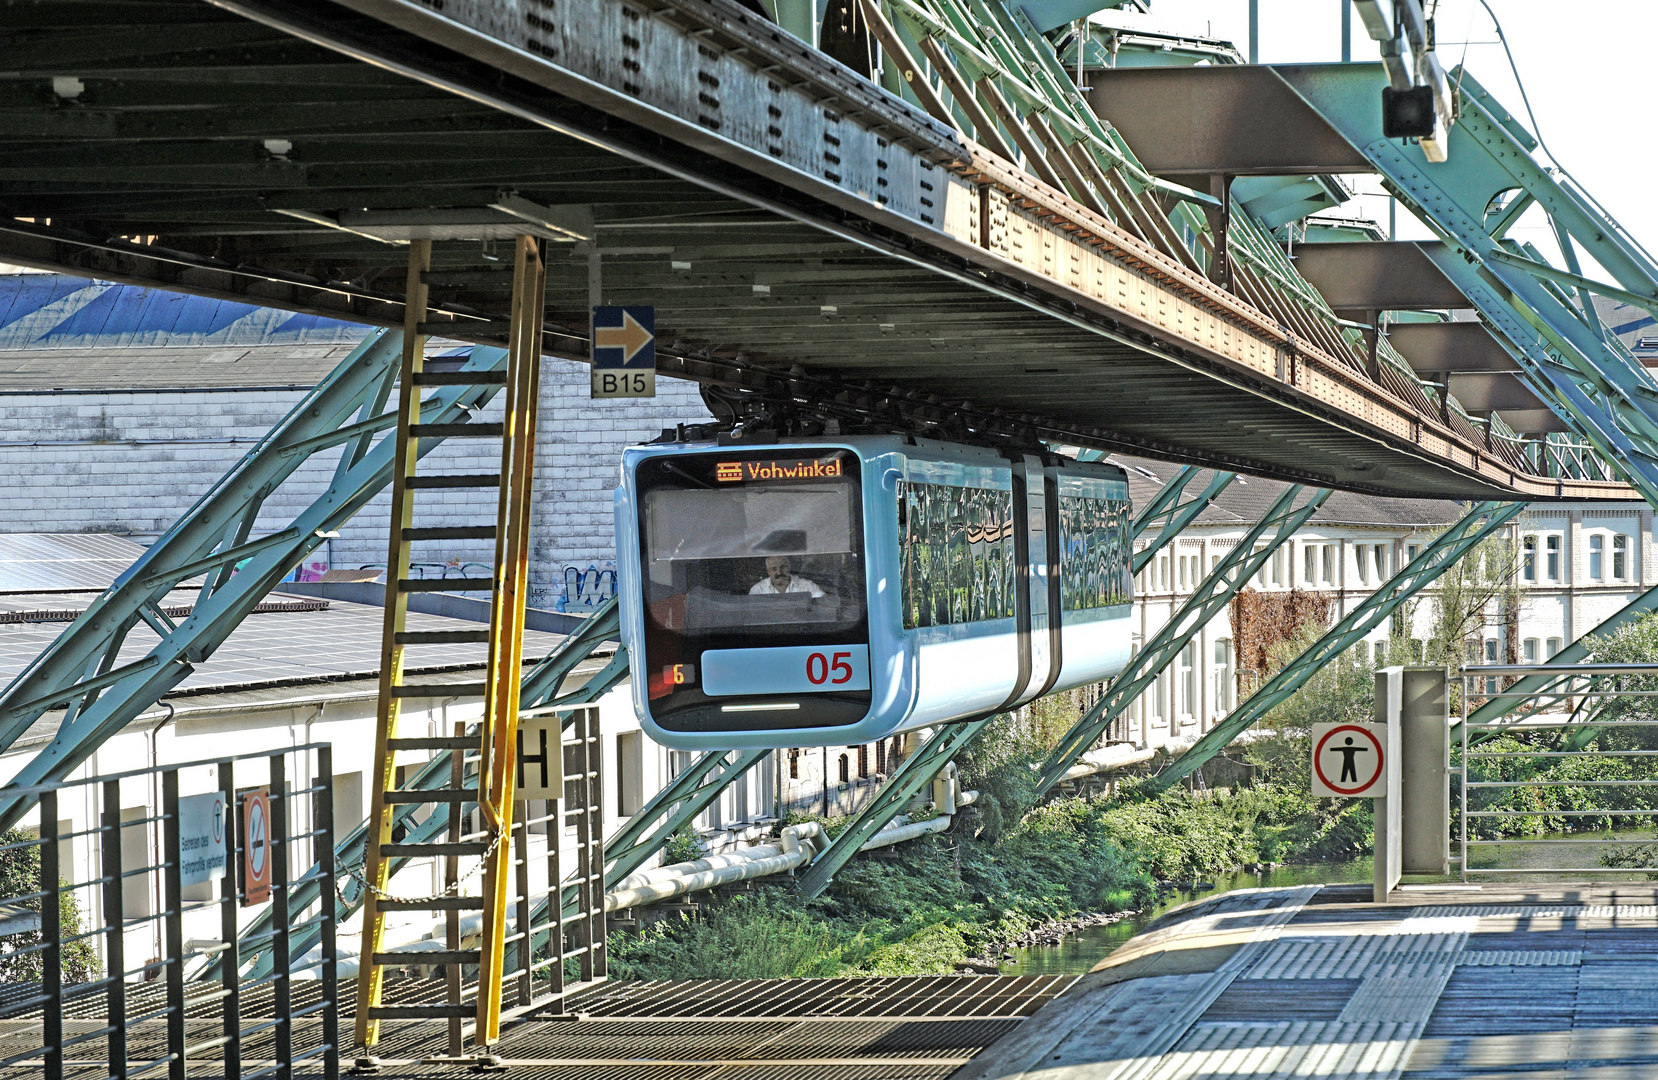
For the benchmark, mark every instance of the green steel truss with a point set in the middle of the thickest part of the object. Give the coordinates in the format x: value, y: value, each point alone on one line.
x: 1479, y: 522
x: 1472, y: 200
x: 1527, y: 686
x: 79, y: 671
x: 1167, y: 511
x: 1210, y: 597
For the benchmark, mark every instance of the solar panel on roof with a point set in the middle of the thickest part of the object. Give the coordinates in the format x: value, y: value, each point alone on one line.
x: 63, y: 560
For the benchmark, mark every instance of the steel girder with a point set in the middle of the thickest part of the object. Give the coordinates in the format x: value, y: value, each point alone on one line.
x: 1480, y: 521
x: 80, y: 669
x: 1174, y: 515
x: 914, y: 773
x: 1471, y: 200
x: 1209, y: 598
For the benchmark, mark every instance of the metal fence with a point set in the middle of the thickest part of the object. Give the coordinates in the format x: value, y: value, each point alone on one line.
x: 157, y: 863
x: 1563, y: 776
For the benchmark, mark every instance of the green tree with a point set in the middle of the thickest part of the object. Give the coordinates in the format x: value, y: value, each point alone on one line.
x: 20, y: 872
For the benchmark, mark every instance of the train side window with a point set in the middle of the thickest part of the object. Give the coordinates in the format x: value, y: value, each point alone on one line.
x: 955, y: 554
x: 1093, y: 549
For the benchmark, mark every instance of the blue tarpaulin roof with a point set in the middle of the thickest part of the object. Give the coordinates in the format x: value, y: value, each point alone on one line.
x: 51, y: 311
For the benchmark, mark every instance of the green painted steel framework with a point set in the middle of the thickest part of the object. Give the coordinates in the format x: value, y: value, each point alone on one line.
x: 1479, y: 522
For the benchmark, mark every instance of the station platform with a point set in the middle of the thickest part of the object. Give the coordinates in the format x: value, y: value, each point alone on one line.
x: 1506, y: 981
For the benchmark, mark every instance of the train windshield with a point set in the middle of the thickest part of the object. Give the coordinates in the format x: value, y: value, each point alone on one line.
x: 747, y: 551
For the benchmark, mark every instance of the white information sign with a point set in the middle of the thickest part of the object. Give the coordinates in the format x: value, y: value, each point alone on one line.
x: 201, y: 837
x: 541, y: 757
x: 1350, y: 761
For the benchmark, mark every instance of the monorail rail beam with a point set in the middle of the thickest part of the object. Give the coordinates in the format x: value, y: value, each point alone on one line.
x: 1589, y: 378
x: 1210, y: 597
x: 1441, y: 554
x: 78, y: 670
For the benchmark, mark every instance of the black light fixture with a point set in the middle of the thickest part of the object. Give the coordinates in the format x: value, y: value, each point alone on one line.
x: 1408, y: 114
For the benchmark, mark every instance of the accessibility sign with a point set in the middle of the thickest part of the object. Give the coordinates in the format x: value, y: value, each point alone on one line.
x: 1349, y: 761
x: 624, y: 351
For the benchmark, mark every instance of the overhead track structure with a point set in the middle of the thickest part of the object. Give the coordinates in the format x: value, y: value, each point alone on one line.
x: 804, y: 233
x: 1290, y: 118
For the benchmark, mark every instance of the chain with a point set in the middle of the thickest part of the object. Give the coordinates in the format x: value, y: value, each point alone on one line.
x: 448, y: 890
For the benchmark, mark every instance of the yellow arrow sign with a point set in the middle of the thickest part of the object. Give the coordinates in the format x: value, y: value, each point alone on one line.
x: 630, y: 337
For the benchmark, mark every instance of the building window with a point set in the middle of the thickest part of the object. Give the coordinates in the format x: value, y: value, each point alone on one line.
x: 1551, y: 558
x: 1529, y: 650
x: 630, y: 772
x: 1528, y: 559
x: 863, y: 762
x: 1188, y: 679
x: 1309, y: 564
x: 794, y: 764
x: 1329, y: 564
x: 1361, y: 560
x: 1223, y: 676
x: 1412, y: 552
x: 1278, y: 559
x: 1165, y: 574
x: 1381, y: 653
x: 1382, y: 561
x: 1597, y: 557
x: 1491, y: 658
x: 1160, y: 702
x: 845, y: 769
x: 1554, y: 647
x: 1620, y: 557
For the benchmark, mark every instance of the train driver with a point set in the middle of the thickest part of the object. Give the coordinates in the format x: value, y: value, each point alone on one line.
x: 780, y: 578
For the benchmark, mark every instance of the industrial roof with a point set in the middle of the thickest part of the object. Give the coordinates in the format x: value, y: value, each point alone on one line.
x: 339, y: 641
x: 63, y: 560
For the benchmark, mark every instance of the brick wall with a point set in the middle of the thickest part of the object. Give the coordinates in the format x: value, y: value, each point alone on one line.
x: 129, y: 462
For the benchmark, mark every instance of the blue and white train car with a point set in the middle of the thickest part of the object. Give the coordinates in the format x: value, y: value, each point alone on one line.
x: 838, y: 590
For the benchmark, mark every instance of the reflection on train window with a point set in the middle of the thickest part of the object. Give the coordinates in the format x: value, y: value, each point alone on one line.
x: 956, y: 554
x: 1093, y: 546
x: 753, y: 559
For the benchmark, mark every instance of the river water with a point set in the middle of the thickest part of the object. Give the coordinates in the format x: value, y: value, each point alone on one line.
x: 1081, y: 951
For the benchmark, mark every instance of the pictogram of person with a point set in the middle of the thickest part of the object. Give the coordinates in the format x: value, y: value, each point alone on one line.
x: 1349, y: 762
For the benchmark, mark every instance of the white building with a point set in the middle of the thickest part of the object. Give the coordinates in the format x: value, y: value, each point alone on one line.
x: 1577, y: 565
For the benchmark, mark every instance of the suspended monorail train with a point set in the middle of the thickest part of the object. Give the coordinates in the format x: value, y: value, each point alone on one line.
x: 835, y: 591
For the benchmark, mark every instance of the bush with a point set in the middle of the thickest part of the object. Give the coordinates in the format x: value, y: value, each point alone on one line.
x: 20, y: 875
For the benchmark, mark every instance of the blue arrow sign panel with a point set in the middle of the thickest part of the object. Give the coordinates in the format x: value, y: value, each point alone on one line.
x: 624, y: 337
x: 624, y: 352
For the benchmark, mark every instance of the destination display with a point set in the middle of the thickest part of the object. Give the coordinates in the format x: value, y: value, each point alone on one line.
x: 729, y: 472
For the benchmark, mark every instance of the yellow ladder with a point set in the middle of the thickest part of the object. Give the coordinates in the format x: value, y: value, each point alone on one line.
x: 496, y: 744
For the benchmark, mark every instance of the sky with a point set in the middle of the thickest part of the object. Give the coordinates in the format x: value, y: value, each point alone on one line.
x: 1589, y: 68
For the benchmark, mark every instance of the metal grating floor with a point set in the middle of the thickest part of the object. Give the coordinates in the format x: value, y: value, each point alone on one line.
x: 786, y: 1029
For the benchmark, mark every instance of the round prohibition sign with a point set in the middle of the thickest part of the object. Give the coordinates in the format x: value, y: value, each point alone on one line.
x: 1348, y: 731
x: 257, y: 844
